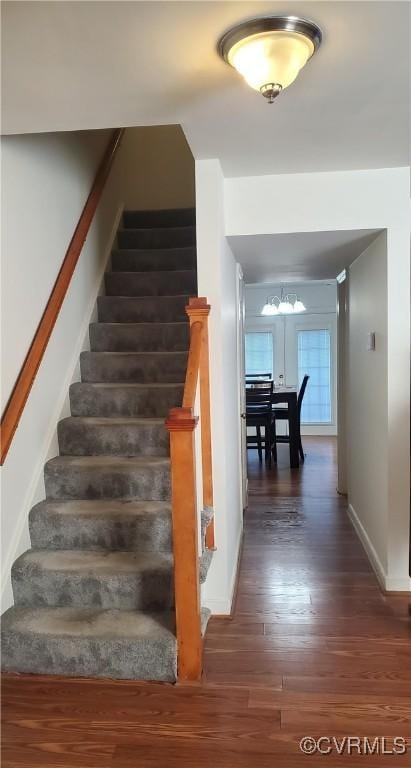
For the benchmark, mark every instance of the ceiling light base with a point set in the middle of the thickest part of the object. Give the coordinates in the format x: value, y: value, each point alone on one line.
x: 270, y: 91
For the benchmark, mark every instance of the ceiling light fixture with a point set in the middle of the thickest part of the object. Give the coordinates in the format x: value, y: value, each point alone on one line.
x: 269, y: 52
x: 287, y: 305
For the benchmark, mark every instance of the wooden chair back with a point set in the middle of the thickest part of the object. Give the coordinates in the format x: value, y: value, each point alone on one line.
x: 302, y: 392
x: 259, y: 397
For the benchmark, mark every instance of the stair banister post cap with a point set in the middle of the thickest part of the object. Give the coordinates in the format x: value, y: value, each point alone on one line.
x: 197, y: 306
x: 181, y: 420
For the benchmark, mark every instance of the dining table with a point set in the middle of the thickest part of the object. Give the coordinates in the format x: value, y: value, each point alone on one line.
x: 288, y: 396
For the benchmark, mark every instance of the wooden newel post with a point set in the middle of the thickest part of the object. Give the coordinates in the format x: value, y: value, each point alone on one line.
x: 181, y: 424
x: 198, y: 311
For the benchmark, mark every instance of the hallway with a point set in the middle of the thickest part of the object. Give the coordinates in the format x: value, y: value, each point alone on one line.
x: 313, y: 649
x: 305, y: 583
x: 312, y: 636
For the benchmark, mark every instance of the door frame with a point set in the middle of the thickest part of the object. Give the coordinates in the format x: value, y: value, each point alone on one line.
x: 242, y: 432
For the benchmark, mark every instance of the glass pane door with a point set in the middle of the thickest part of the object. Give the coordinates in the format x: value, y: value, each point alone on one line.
x: 259, y: 353
x: 314, y: 359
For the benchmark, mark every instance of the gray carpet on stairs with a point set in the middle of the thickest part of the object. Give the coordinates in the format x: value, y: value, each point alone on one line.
x: 94, y: 596
x: 142, y: 309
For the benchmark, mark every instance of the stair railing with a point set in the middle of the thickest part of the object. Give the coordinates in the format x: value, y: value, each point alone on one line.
x: 181, y: 424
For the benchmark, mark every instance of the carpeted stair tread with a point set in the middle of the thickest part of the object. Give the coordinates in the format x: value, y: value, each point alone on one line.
x: 161, y: 283
x: 111, y: 477
x: 139, y: 367
x: 113, y: 524
x: 125, y: 580
x: 142, y: 309
x: 207, y: 515
x: 93, y: 436
x: 159, y: 259
x: 124, y: 399
x: 139, y: 337
x: 166, y: 217
x: 156, y: 237
x: 89, y: 642
x: 205, y: 562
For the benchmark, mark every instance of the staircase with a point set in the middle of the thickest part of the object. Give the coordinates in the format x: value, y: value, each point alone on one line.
x: 94, y: 596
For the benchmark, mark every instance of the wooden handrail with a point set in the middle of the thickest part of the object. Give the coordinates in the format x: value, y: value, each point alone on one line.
x: 15, y: 406
x: 193, y: 365
x: 198, y: 311
x: 181, y: 424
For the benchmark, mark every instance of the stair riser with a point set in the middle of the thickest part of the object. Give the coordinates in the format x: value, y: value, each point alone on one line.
x: 113, y: 309
x: 168, y: 237
x: 140, y: 659
x: 130, y: 337
x: 150, y: 401
x: 151, y: 283
x: 150, y: 590
x: 114, y: 367
x: 150, y: 533
x: 140, y: 260
x: 77, y: 438
x: 76, y: 482
x: 183, y: 217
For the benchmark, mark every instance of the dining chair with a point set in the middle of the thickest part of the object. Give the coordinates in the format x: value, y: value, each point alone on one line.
x: 281, y: 414
x: 259, y: 414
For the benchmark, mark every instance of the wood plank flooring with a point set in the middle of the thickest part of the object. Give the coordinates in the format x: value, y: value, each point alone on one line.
x: 313, y: 649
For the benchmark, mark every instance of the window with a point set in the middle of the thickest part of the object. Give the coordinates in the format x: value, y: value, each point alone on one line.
x: 259, y: 353
x: 314, y: 359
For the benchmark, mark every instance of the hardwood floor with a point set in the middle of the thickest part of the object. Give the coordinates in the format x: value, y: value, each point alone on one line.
x: 313, y: 649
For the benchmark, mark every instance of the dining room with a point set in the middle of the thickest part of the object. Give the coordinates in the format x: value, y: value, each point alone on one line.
x: 290, y: 371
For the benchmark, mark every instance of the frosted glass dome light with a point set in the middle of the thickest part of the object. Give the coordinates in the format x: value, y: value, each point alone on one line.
x: 270, y: 52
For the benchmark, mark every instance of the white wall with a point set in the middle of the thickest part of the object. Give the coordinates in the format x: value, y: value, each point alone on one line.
x: 375, y: 199
x: 217, y: 280
x: 159, y: 172
x: 367, y: 415
x: 320, y: 300
x: 45, y: 182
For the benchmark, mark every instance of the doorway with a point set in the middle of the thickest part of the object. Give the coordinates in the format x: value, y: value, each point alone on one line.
x: 287, y: 348
x: 356, y: 403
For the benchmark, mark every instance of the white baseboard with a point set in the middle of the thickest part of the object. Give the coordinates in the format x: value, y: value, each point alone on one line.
x: 387, y: 583
x: 368, y: 546
x: 313, y: 430
x: 223, y: 606
x: 35, y: 491
x: 393, y: 584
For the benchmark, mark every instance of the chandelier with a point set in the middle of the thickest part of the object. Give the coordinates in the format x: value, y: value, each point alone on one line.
x: 286, y: 305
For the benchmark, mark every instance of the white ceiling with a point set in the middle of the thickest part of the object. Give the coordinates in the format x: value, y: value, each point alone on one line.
x: 298, y: 256
x: 81, y: 65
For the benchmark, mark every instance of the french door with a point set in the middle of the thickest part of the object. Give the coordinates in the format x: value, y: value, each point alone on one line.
x: 291, y: 347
